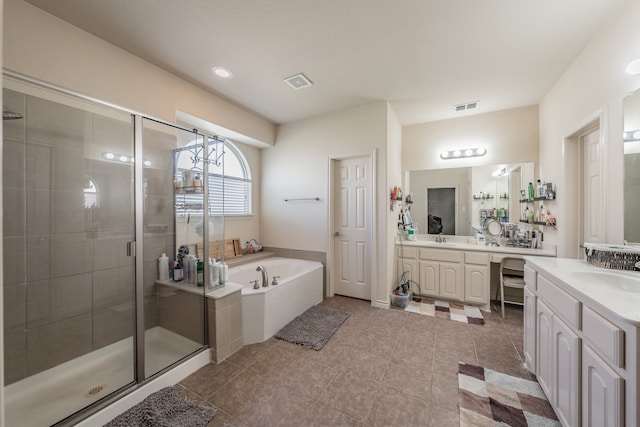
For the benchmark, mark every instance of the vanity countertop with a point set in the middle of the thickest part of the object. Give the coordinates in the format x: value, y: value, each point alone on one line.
x: 549, y: 251
x: 616, y: 291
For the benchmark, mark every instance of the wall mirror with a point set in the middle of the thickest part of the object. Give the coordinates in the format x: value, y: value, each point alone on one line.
x: 631, y: 137
x: 471, y: 195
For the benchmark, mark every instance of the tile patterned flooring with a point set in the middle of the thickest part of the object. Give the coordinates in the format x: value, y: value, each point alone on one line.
x: 381, y: 368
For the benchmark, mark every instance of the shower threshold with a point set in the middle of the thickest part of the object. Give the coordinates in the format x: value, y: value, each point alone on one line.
x: 52, y: 395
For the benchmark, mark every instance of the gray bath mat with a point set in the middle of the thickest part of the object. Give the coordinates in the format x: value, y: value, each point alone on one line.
x: 314, y: 327
x: 164, y: 408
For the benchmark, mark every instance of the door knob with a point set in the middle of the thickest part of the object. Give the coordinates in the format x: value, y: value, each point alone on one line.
x: 336, y: 234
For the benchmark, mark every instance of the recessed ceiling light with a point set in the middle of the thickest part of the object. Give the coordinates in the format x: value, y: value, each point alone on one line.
x: 222, y: 72
x: 634, y: 67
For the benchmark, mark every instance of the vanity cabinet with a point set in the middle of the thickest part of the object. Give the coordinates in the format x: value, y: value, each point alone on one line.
x: 558, y: 363
x: 441, y: 274
x: 566, y: 373
x: 544, y: 347
x: 603, y: 390
x: 452, y: 274
x: 477, y: 277
x: 530, y: 330
x: 408, y: 264
x: 585, y: 359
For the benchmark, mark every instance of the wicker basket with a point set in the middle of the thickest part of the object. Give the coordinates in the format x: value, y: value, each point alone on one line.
x: 616, y: 257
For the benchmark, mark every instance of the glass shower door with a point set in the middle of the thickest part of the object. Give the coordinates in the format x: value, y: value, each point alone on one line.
x: 68, y: 185
x: 173, y: 225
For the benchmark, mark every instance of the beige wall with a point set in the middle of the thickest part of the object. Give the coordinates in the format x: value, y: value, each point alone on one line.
x: 595, y: 82
x: 393, y: 177
x: 42, y: 46
x: 510, y: 136
x: 298, y: 166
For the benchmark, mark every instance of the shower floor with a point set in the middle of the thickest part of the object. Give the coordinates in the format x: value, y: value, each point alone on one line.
x: 49, y: 396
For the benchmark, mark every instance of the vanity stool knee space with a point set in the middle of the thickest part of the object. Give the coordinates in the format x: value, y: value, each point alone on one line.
x: 511, y: 276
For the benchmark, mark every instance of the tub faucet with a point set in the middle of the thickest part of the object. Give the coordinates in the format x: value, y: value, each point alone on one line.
x: 265, y: 276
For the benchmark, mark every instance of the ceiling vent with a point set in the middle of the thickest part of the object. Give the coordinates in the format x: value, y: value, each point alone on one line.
x: 298, y: 81
x: 466, y: 107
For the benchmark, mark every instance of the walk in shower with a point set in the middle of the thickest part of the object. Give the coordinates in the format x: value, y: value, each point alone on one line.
x: 89, y: 204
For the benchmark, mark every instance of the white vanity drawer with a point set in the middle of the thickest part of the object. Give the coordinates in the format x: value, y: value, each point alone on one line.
x: 441, y: 255
x: 530, y: 277
x: 407, y: 252
x: 561, y: 302
x: 604, y: 336
x: 481, y: 258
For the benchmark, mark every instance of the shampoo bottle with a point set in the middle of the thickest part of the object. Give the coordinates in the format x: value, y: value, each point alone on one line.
x: 163, y: 267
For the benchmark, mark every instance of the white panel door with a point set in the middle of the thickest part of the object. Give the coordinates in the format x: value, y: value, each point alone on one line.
x: 352, y: 220
x: 594, y: 221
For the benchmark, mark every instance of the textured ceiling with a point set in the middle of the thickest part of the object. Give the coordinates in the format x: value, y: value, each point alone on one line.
x: 423, y: 56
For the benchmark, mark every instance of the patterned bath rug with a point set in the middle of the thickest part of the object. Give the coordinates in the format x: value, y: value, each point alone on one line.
x: 314, y: 327
x: 488, y: 398
x: 446, y: 310
x: 165, y: 408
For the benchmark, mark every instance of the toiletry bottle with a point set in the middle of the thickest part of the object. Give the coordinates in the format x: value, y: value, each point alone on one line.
x: 538, y: 188
x: 177, y: 273
x: 214, y: 272
x: 200, y: 273
x: 224, y: 273
x: 530, y: 193
x: 193, y: 269
x: 163, y: 267
x: 188, y: 269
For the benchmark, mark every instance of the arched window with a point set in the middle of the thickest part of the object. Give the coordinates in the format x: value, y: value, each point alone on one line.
x: 229, y: 178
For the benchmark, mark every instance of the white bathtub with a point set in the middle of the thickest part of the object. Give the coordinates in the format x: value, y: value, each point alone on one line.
x: 267, y: 310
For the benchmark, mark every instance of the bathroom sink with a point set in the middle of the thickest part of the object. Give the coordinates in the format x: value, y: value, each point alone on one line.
x: 610, y: 280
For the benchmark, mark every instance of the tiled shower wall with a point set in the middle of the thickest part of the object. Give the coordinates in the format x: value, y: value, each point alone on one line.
x: 68, y: 282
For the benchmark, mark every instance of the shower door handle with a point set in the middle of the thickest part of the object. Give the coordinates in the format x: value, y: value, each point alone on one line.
x: 131, y: 248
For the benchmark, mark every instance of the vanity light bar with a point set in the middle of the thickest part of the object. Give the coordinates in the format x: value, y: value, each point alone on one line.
x: 459, y: 154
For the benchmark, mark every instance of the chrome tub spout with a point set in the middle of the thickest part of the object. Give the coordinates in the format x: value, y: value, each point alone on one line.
x: 265, y: 276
